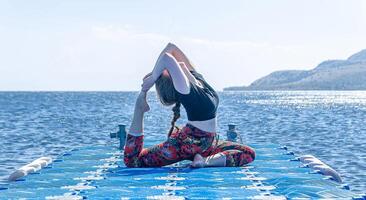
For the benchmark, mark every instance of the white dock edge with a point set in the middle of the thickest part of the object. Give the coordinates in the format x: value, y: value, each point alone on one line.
x: 30, y: 168
x: 314, y: 163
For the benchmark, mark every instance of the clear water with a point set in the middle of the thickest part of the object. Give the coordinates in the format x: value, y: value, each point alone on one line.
x: 329, y: 125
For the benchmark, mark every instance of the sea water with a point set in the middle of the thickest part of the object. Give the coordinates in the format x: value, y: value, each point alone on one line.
x: 328, y: 124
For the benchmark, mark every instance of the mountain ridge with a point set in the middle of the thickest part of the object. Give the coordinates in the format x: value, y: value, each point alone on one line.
x: 347, y: 74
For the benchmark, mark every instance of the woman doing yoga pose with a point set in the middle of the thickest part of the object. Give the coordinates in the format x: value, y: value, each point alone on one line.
x: 178, y: 83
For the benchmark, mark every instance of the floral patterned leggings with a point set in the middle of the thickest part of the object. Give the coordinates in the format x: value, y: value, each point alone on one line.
x: 184, y: 144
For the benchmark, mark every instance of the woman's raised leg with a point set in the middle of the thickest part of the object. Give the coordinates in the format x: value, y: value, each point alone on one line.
x: 134, y: 153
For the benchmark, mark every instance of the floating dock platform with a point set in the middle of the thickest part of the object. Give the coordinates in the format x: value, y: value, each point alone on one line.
x: 98, y: 172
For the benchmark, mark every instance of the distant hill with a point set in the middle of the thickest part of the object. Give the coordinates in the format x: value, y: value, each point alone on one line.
x: 347, y: 74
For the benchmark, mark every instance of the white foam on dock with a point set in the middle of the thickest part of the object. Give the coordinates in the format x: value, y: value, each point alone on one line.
x: 32, y: 167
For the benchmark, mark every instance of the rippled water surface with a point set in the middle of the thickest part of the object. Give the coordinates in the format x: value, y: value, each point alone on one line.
x: 329, y: 125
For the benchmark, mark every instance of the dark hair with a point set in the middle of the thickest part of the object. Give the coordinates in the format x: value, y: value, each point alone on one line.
x: 176, y: 115
x: 168, y: 96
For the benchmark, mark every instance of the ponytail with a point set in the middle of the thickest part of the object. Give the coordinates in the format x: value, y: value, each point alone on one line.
x: 176, y: 112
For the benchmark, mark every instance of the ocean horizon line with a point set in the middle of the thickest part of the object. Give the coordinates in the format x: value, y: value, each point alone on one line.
x: 81, y: 91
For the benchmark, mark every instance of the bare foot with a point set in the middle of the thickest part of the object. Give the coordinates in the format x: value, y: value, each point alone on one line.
x: 141, y: 103
x: 198, y: 161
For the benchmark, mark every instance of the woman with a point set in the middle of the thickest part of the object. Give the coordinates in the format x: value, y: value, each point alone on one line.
x: 177, y: 83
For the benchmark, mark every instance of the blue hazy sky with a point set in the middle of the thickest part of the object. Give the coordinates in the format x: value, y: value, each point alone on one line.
x: 111, y: 45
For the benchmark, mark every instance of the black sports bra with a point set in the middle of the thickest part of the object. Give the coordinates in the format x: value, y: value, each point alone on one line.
x: 201, y: 102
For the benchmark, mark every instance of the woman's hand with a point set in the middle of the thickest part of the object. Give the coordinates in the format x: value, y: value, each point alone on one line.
x: 141, y: 103
x: 148, y: 82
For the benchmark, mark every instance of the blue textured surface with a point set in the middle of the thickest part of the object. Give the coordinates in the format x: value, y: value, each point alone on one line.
x: 326, y: 124
x: 97, y: 172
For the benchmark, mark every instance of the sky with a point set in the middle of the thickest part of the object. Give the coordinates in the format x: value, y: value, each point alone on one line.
x: 109, y: 45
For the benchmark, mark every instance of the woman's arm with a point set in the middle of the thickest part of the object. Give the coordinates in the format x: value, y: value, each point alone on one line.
x: 179, y: 78
x: 189, y: 75
x: 179, y: 55
x: 167, y: 62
